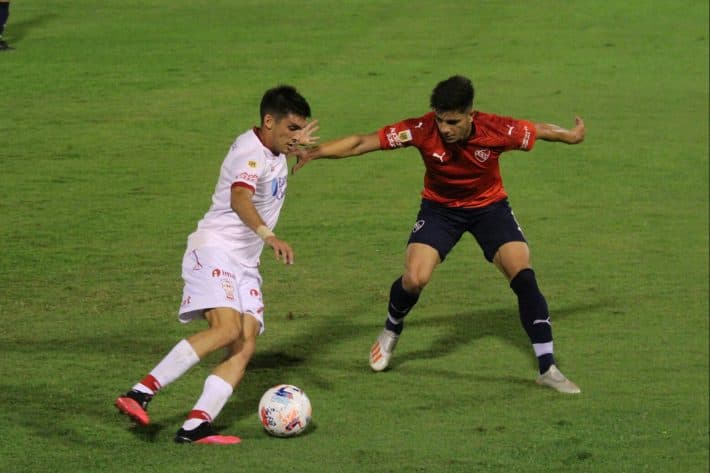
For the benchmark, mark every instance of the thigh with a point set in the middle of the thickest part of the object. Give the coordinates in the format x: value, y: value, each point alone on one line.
x: 494, y: 227
x: 511, y: 258
x: 419, y: 266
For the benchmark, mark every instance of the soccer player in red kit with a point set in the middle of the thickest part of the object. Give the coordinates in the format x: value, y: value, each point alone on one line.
x: 463, y: 192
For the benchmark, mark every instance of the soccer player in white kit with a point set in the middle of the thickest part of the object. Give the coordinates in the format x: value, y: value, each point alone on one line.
x: 221, y: 266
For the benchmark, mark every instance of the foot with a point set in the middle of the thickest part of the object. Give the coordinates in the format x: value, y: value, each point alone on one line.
x: 205, y: 434
x: 554, y: 379
x: 381, y: 351
x: 134, y: 404
x: 4, y: 46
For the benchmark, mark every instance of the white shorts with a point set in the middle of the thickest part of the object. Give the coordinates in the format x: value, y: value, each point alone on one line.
x: 214, y: 279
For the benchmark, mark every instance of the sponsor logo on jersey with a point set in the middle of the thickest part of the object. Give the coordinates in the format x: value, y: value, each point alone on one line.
x: 278, y: 188
x: 220, y: 272
x: 393, y: 137
x: 526, y: 138
x: 245, y: 176
x: 252, y: 164
x: 482, y: 155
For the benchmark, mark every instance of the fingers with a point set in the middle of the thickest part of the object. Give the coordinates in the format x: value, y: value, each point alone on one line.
x: 282, y: 250
x: 305, y: 136
x: 301, y: 160
x: 312, y: 127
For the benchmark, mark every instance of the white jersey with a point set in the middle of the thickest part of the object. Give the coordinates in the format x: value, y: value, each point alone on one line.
x: 250, y: 164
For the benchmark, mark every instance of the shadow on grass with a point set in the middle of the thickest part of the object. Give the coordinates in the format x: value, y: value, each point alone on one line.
x: 301, y: 357
x: 17, y: 31
x: 466, y: 328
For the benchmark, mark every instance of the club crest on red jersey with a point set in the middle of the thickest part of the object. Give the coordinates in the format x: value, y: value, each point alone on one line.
x: 482, y: 155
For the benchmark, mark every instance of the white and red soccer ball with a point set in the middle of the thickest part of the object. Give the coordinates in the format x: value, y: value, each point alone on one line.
x: 285, y: 410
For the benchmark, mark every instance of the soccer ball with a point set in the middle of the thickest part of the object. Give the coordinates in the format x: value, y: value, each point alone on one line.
x: 285, y: 410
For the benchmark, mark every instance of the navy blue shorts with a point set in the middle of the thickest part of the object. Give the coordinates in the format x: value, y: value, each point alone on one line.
x: 441, y: 227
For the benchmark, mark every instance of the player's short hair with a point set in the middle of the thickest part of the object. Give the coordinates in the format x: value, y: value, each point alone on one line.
x: 282, y: 100
x: 454, y: 94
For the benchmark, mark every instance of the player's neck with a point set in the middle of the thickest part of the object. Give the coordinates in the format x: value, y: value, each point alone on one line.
x: 265, y: 139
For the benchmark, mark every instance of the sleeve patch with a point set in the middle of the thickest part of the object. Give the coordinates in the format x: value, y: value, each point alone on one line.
x: 405, y: 136
x: 396, y: 139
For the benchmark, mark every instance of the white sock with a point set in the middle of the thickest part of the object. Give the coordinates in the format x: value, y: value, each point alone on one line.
x: 214, y: 396
x: 180, y: 359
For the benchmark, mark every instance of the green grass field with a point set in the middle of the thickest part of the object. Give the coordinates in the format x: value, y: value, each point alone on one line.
x: 114, y: 120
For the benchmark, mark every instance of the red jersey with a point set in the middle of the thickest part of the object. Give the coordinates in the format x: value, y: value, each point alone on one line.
x: 462, y: 174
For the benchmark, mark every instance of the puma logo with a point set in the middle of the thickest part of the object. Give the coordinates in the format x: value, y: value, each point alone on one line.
x: 438, y: 156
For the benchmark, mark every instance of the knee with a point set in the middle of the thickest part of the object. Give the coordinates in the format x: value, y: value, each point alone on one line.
x: 227, y: 331
x: 415, y: 281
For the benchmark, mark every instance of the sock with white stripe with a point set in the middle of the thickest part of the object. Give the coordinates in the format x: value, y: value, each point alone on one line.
x: 400, y: 303
x: 535, y: 316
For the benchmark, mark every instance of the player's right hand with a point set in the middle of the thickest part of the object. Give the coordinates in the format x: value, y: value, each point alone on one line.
x: 282, y: 250
x: 303, y: 157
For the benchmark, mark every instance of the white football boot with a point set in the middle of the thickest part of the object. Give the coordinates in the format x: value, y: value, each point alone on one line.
x: 381, y: 351
x: 554, y: 379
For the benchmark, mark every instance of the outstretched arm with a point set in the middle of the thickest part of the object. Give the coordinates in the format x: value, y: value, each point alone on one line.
x: 352, y: 145
x: 550, y: 132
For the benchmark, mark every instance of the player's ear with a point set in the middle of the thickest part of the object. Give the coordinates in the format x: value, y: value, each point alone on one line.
x: 268, y: 121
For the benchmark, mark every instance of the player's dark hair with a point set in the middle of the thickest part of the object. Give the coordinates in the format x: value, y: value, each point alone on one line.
x: 454, y: 94
x: 282, y: 100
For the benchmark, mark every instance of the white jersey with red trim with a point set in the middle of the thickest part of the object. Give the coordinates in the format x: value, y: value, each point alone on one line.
x: 249, y: 164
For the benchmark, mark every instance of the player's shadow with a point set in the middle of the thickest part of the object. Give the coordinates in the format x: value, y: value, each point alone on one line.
x: 18, y: 30
x: 464, y: 329
x: 302, y: 356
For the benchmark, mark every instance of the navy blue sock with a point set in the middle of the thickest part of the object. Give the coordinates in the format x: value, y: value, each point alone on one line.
x: 400, y: 303
x: 534, y: 316
x: 4, y: 14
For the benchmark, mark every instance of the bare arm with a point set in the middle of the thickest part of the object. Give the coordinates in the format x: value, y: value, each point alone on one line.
x: 352, y: 145
x: 243, y: 206
x: 550, y: 132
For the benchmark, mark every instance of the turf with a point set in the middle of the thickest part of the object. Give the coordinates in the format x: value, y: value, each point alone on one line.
x: 114, y: 120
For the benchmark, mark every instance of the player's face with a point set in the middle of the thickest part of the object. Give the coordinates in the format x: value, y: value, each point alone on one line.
x: 285, y: 132
x: 454, y: 126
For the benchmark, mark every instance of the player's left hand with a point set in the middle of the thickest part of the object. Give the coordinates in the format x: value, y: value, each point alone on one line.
x: 577, y: 133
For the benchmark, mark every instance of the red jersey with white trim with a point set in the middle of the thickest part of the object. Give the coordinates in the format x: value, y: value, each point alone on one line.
x: 462, y: 174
